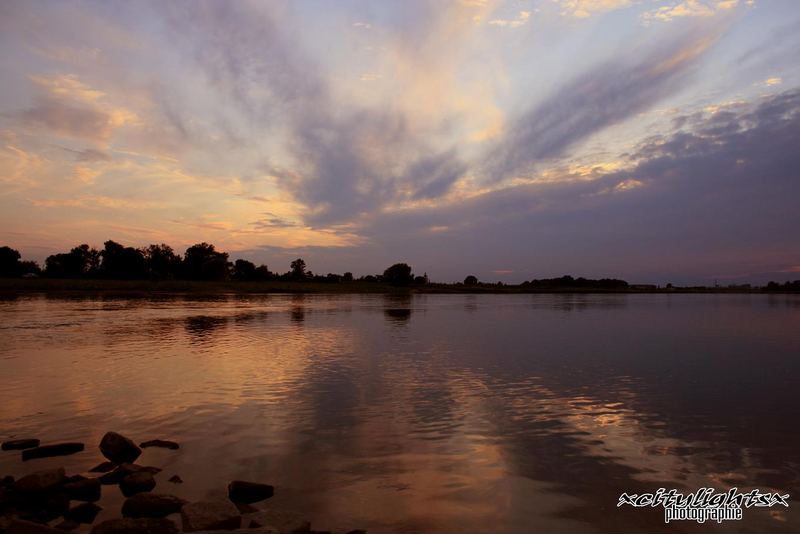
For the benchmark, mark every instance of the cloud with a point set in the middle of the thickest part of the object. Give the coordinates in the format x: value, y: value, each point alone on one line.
x: 690, y: 8
x: 587, y: 8
x: 716, y: 195
x: 520, y: 20
x: 600, y: 97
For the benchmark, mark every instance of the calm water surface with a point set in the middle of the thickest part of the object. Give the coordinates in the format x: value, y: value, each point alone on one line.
x: 431, y: 413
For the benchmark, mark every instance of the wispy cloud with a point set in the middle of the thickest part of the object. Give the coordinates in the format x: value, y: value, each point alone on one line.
x: 521, y: 19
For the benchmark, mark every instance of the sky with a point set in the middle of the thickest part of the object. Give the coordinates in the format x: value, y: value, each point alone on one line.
x: 652, y: 140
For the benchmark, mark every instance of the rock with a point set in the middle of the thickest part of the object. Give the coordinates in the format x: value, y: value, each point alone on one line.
x: 83, y: 513
x: 357, y: 531
x: 7, y: 481
x: 138, y: 482
x: 217, y: 515
x: 249, y: 492
x: 284, y: 521
x: 104, y: 467
x: 251, y: 530
x: 40, y: 481
x: 43, y: 507
x: 245, y: 508
x: 122, y: 471
x: 119, y: 449
x: 136, y: 526
x: 68, y: 524
x: 57, y: 449
x: 20, y: 526
x: 151, y: 505
x: 19, y: 444
x: 88, y: 489
x: 175, y: 479
x: 166, y: 444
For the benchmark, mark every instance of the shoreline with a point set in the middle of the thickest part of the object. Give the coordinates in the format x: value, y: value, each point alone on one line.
x: 11, y: 286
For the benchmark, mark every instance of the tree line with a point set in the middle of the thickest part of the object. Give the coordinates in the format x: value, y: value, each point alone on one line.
x: 160, y: 262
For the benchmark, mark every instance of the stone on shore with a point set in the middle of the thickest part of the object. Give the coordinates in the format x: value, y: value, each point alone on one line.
x: 253, y: 530
x: 40, y: 481
x: 138, y: 482
x: 119, y: 449
x: 215, y: 515
x: 56, y: 449
x: 88, y: 489
x: 124, y: 470
x: 175, y: 479
x: 7, y: 481
x: 19, y: 444
x: 240, y: 491
x: 152, y: 505
x: 145, y: 525
x: 83, y: 513
x: 104, y: 467
x: 68, y: 524
x: 163, y: 443
x: 20, y: 526
x: 284, y: 521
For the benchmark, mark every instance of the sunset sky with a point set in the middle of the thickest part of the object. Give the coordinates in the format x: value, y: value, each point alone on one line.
x: 656, y: 141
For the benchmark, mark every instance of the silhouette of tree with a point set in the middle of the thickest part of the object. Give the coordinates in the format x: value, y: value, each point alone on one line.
x: 203, y: 262
x: 470, y: 280
x: 244, y: 270
x: 398, y: 274
x: 347, y: 277
x: 9, y: 262
x: 298, y: 267
x: 122, y: 263
x: 81, y: 261
x: 162, y: 263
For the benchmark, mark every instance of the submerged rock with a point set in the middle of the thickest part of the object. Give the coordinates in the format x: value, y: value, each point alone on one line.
x: 136, y: 526
x: 152, y: 505
x: 46, y: 451
x: 163, y: 443
x: 240, y: 491
x: 104, y: 467
x: 175, y: 479
x: 119, y: 449
x: 88, y: 489
x: 83, y: 513
x: 284, y: 521
x: 215, y: 515
x: 138, y: 482
x: 19, y: 444
x: 40, y: 481
x: 20, y: 526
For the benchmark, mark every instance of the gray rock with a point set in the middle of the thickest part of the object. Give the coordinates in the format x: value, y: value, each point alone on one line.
x: 56, y: 449
x: 138, y: 482
x: 163, y: 443
x: 19, y: 444
x: 152, y: 505
x: 215, y: 515
x: 88, y: 489
x: 20, y: 526
x: 285, y: 521
x: 83, y: 513
x: 240, y: 491
x: 136, y: 526
x: 40, y: 481
x: 119, y: 449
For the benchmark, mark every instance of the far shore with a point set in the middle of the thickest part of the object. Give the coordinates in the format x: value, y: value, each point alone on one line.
x: 144, y: 287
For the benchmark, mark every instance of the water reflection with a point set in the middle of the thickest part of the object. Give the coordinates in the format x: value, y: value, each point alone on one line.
x: 483, y: 414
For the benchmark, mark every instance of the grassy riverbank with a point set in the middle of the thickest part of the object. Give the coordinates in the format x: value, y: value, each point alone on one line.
x: 130, y: 287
